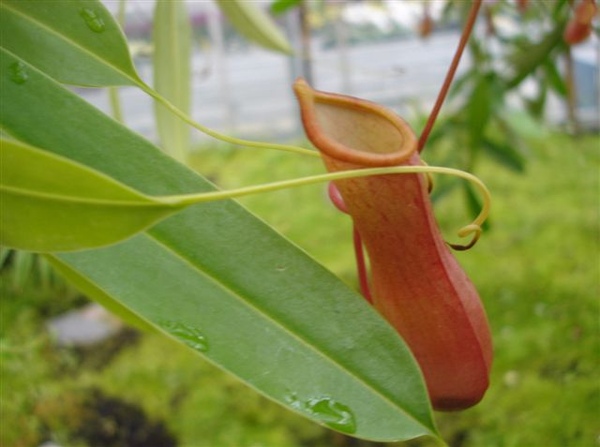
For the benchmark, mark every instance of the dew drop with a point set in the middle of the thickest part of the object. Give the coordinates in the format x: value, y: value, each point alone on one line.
x: 327, y: 410
x: 189, y: 335
x: 333, y: 414
x: 92, y: 20
x: 18, y: 73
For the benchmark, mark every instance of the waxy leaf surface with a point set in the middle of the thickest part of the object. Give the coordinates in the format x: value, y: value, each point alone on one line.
x: 50, y: 203
x: 76, y: 41
x: 224, y: 283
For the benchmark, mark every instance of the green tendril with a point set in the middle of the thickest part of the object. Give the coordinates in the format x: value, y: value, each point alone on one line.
x: 189, y: 199
x: 473, y: 228
x: 219, y: 136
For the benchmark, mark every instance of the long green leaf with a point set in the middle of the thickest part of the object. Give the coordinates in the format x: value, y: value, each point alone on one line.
x: 479, y: 109
x: 172, y: 74
x: 555, y: 79
x: 92, y: 291
x: 224, y: 283
x: 528, y: 58
x: 50, y: 203
x: 281, y: 6
x: 505, y: 154
x: 254, y: 24
x: 75, y: 41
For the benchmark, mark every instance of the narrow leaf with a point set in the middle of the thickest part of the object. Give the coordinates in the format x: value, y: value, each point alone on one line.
x: 254, y: 24
x: 75, y: 41
x: 50, y: 203
x: 172, y: 74
x: 505, y: 154
x: 555, y: 79
x: 479, y: 109
x: 531, y: 56
x: 281, y: 6
x: 224, y: 283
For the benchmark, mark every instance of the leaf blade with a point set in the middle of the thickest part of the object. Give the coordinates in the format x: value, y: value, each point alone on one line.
x: 97, y: 294
x: 281, y: 6
x: 254, y: 24
x: 50, y: 203
x: 297, y: 334
x: 76, y: 41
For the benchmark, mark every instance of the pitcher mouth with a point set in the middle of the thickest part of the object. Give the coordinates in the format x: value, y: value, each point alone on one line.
x: 353, y: 130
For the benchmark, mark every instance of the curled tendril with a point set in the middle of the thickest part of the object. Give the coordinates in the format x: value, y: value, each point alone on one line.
x: 465, y: 231
x: 473, y: 228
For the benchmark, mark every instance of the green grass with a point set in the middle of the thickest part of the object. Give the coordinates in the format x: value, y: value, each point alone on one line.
x: 537, y: 270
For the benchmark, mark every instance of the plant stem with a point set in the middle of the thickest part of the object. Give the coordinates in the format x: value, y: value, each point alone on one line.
x: 113, y: 92
x: 231, y: 140
x: 473, y: 228
x: 464, y: 38
x: 115, y: 104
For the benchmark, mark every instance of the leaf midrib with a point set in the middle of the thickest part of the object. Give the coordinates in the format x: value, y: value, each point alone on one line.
x: 88, y: 201
x: 267, y: 316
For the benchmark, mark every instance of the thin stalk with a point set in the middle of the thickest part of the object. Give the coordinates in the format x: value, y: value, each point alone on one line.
x: 113, y: 92
x: 231, y: 140
x: 474, y: 228
x: 115, y: 104
x: 464, y: 38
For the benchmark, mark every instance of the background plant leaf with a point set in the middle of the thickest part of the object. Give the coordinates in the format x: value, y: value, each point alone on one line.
x: 172, y: 36
x: 224, y: 283
x: 505, y: 154
x: 254, y: 24
x: 479, y: 110
x: 50, y: 203
x: 281, y: 6
x: 555, y: 79
x: 529, y: 57
x: 76, y: 41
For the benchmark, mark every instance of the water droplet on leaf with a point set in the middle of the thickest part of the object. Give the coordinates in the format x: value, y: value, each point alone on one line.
x: 18, y: 73
x: 327, y: 410
x: 189, y: 335
x: 92, y: 20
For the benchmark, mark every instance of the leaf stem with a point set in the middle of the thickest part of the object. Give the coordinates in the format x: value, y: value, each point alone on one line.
x: 231, y: 140
x: 115, y: 104
x: 473, y: 228
x: 113, y: 92
x: 464, y: 38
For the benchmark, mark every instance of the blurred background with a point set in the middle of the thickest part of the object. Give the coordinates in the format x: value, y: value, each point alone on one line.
x: 523, y: 115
